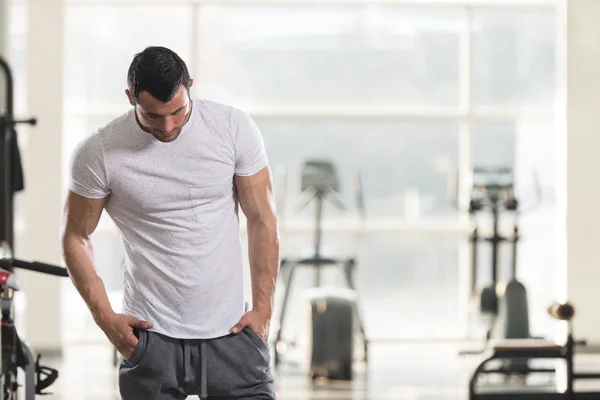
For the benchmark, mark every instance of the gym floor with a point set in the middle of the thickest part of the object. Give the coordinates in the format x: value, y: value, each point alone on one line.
x: 395, y: 372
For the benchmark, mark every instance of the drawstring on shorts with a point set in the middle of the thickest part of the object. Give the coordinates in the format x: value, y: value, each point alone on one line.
x: 188, y: 369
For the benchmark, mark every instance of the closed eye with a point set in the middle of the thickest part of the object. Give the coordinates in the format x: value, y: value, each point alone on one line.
x: 155, y: 116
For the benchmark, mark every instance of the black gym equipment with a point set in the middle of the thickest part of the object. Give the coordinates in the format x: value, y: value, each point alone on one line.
x: 503, y: 305
x: 15, y: 353
x: 535, y: 349
x: 334, y: 313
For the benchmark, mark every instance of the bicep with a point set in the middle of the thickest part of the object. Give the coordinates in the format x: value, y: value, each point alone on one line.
x: 81, y: 215
x: 255, y: 194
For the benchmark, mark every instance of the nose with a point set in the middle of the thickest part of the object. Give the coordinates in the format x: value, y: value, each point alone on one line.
x: 168, y: 125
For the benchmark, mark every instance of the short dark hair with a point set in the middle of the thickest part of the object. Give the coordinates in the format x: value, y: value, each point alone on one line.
x: 158, y: 71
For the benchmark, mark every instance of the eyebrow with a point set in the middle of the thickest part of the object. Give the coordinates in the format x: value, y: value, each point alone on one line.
x: 174, y: 112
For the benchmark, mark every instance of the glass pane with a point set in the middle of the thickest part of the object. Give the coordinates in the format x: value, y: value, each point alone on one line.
x: 514, y: 56
x: 329, y: 55
x: 101, y: 41
x: 412, y: 274
x: 537, y: 154
x: 404, y: 164
x: 410, y: 268
x: 526, y: 144
x: 494, y: 144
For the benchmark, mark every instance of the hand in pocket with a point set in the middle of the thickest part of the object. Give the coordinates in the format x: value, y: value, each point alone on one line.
x: 119, y: 330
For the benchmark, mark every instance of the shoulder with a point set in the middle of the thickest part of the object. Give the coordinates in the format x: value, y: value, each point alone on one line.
x: 89, y: 146
x: 225, y: 120
x: 117, y: 127
x: 222, y: 112
x: 212, y: 106
x: 95, y: 142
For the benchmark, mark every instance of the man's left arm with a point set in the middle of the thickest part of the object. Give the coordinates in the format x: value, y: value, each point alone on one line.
x: 255, y: 195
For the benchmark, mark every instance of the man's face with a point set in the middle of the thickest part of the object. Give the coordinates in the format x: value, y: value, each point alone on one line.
x: 163, y: 120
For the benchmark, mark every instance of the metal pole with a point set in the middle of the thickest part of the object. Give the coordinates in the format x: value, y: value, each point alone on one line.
x: 6, y: 132
x: 495, y: 242
x: 318, y: 232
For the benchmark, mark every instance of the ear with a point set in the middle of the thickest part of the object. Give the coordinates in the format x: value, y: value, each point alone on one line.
x: 130, y: 97
x: 191, y: 82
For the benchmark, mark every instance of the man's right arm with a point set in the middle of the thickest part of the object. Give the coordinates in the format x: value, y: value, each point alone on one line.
x: 80, y: 219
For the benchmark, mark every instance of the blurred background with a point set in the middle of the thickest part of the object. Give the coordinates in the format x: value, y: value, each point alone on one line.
x: 410, y: 94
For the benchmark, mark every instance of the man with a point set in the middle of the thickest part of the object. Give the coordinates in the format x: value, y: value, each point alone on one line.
x: 171, y: 173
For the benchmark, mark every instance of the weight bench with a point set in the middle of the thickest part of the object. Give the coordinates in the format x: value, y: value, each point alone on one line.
x: 534, y: 349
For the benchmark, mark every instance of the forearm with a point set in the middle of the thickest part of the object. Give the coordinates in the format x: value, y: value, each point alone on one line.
x: 78, y: 256
x: 263, y: 244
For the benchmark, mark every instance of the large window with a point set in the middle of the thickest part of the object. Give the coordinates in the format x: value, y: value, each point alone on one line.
x: 406, y: 95
x: 308, y: 57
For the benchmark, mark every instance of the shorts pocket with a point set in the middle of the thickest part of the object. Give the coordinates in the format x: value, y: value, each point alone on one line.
x: 257, y: 347
x: 140, y: 348
x: 256, y: 338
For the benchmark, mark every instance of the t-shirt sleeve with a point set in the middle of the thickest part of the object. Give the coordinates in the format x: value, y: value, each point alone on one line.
x: 250, y: 152
x: 88, y: 176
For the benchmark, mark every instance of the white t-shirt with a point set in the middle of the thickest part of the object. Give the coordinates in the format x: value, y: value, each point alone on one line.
x: 176, y: 209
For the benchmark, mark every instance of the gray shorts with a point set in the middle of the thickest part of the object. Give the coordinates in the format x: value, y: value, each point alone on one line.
x: 228, y: 367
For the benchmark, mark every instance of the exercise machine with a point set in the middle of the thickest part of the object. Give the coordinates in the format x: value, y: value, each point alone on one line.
x: 535, y: 349
x: 333, y: 312
x: 503, y: 306
x: 15, y: 352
